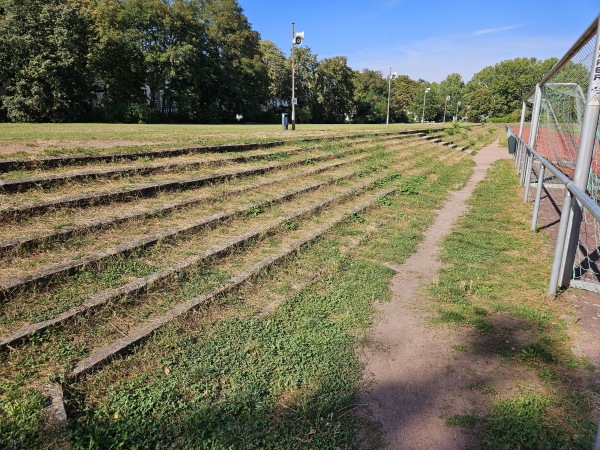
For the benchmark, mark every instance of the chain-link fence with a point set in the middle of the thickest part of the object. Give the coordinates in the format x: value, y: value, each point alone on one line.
x: 564, y: 129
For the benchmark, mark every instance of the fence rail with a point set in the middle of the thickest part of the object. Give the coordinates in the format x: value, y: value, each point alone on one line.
x: 563, y: 137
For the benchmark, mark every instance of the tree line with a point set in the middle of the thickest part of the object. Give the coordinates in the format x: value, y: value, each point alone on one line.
x: 200, y: 61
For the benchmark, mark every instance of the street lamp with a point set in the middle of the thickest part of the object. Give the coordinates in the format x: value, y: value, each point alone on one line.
x: 468, y: 108
x: 445, y: 104
x: 424, y: 96
x: 457, y: 105
x: 296, y: 40
x: 391, y: 77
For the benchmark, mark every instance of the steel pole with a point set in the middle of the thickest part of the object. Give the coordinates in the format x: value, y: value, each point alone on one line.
x: 560, y: 244
x: 538, y: 197
x: 528, y: 172
x: 522, y: 124
x: 293, y: 81
x: 387, y: 121
x: 423, y: 116
x: 532, y: 132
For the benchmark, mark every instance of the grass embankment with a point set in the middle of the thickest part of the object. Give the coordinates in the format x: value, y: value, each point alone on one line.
x: 497, y: 274
x: 233, y: 379
x: 270, y: 365
x: 24, y: 140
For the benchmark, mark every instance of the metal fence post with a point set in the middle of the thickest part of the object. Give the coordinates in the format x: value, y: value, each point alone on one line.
x: 587, y: 140
x: 535, y: 119
x: 522, y: 124
x: 538, y: 197
x: 519, y: 151
x: 528, y: 177
x: 560, y: 244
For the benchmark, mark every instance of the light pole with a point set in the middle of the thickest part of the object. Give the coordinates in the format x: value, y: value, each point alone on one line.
x: 391, y: 77
x: 446, y: 104
x: 468, y: 108
x: 296, y: 39
x: 424, y: 96
x: 457, y: 105
x: 293, y: 82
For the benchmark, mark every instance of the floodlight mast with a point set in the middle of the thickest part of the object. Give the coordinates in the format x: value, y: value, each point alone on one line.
x: 293, y: 81
x: 297, y: 39
x: 391, y: 77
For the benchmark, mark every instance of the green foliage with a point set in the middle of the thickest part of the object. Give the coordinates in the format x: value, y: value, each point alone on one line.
x: 455, y: 128
x: 508, y: 82
x: 21, y: 417
x: 200, y: 61
x: 370, y: 97
x: 249, y: 382
x: 335, y: 90
x: 43, y: 51
x: 524, y: 422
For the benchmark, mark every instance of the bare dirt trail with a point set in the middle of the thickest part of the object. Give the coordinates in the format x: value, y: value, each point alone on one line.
x: 416, y: 378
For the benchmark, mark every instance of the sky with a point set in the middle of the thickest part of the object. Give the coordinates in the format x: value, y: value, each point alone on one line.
x: 424, y: 38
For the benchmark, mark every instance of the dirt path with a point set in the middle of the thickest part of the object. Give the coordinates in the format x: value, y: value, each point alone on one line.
x: 416, y: 380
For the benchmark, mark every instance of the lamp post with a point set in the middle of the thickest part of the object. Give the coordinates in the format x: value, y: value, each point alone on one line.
x: 446, y: 104
x: 457, y: 105
x: 391, y: 77
x: 293, y: 82
x: 424, y: 96
x: 296, y: 39
x: 468, y: 108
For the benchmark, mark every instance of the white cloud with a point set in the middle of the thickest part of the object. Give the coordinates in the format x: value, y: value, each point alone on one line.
x: 495, y: 30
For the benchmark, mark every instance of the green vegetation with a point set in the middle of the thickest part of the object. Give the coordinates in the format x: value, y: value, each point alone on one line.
x: 492, y: 278
x: 283, y: 380
x: 200, y: 61
x: 238, y: 373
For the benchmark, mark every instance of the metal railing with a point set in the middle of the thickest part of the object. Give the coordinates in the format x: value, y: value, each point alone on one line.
x: 564, y: 137
x: 523, y: 154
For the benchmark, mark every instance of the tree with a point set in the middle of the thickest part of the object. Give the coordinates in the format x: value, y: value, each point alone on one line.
x: 239, y: 74
x: 403, y: 91
x: 43, y: 50
x: 306, y: 65
x: 117, y: 62
x: 509, y: 81
x: 278, y: 75
x: 432, y: 102
x: 481, y: 105
x: 370, y: 97
x: 453, y: 86
x: 335, y: 90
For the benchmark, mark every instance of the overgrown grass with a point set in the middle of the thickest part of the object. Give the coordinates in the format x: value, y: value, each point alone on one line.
x: 285, y: 380
x: 23, y: 140
x: 496, y: 268
x: 226, y: 378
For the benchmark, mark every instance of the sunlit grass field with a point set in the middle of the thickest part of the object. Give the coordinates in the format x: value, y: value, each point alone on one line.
x: 19, y: 139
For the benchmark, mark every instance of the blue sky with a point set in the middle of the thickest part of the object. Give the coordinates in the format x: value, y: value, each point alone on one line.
x: 425, y: 39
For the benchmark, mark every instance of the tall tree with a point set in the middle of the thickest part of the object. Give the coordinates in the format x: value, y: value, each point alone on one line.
x: 278, y: 75
x: 240, y: 74
x: 452, y: 86
x: 43, y: 50
x: 306, y: 66
x: 509, y: 81
x: 335, y: 90
x: 403, y: 90
x: 370, y: 97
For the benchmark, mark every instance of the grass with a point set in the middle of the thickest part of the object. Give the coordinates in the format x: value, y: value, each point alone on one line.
x: 491, y: 277
x: 23, y: 140
x: 285, y: 380
x: 228, y: 376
